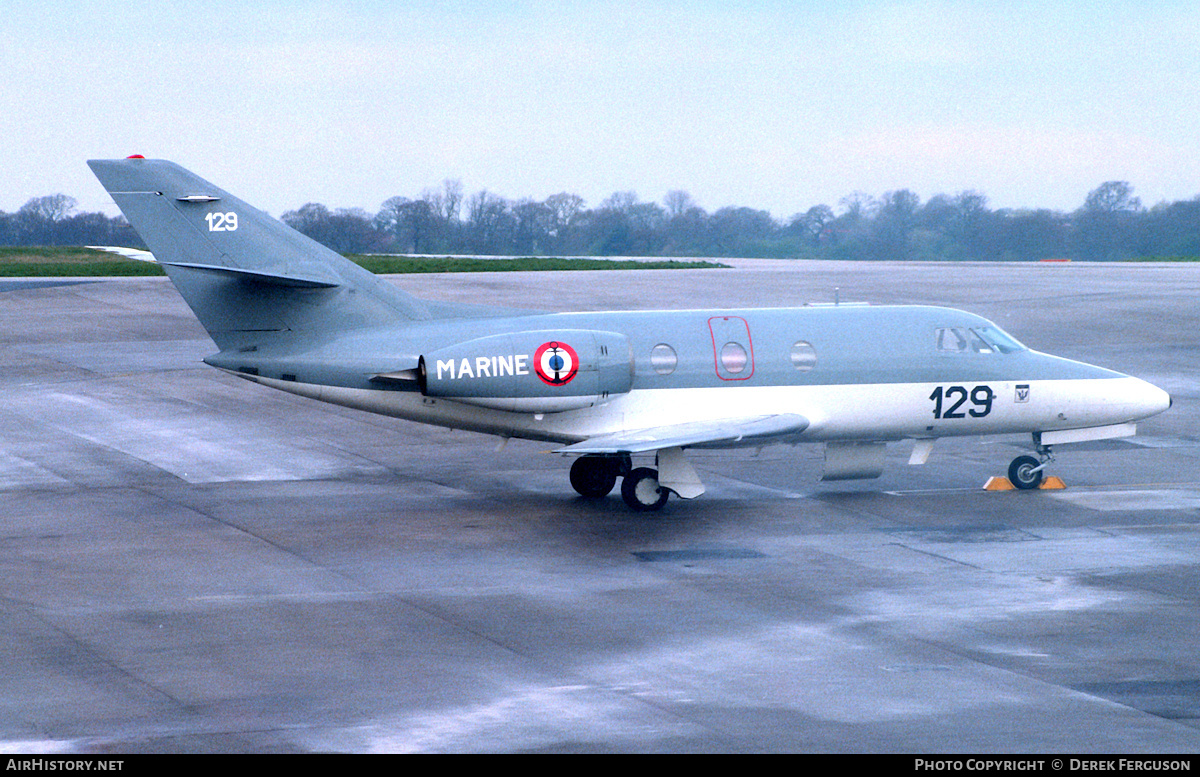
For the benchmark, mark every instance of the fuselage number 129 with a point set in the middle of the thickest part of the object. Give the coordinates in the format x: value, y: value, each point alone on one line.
x: 949, y: 402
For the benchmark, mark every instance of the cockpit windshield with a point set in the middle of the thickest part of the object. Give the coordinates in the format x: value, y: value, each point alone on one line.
x: 999, y: 339
x: 980, y: 339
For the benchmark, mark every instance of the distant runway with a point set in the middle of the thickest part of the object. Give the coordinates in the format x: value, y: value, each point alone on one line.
x: 195, y: 563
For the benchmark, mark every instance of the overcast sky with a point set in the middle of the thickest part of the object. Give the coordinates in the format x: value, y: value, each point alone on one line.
x: 772, y: 105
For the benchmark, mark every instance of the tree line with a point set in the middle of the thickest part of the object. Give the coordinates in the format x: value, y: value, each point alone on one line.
x: 1111, y: 224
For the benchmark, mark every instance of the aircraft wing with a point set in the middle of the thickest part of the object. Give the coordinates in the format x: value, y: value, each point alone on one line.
x: 716, y: 434
x: 128, y: 253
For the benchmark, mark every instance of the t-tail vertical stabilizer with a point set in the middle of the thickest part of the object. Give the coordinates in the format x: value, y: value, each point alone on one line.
x: 246, y: 275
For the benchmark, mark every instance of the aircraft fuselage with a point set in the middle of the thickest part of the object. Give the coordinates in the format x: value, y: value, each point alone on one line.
x: 856, y: 372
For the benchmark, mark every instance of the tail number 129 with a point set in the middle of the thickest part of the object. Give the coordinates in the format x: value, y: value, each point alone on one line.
x: 222, y: 222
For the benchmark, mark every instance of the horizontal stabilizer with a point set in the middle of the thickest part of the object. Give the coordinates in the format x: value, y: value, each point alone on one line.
x: 728, y: 432
x: 276, y: 279
x: 297, y: 280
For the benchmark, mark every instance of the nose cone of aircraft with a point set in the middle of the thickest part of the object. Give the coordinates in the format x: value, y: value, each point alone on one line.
x: 1144, y: 399
x: 1103, y: 397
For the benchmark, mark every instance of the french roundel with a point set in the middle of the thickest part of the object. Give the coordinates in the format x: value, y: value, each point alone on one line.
x: 555, y: 363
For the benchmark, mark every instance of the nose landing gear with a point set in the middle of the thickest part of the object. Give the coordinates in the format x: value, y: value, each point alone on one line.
x: 1026, y: 472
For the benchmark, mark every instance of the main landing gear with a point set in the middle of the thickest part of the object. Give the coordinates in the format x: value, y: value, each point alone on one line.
x: 595, y: 476
x: 1026, y: 472
x: 641, y: 491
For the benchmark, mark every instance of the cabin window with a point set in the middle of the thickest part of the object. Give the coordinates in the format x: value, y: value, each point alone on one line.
x: 734, y: 357
x: 804, y: 356
x: 663, y: 359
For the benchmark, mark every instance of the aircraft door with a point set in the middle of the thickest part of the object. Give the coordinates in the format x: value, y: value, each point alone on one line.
x: 733, y: 350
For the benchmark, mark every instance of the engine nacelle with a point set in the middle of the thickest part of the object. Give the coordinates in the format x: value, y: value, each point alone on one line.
x: 531, y: 372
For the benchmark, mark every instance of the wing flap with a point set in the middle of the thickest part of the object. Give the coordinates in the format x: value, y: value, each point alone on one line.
x: 729, y: 432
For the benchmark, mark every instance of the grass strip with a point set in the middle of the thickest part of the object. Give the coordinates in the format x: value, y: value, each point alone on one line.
x: 57, y: 262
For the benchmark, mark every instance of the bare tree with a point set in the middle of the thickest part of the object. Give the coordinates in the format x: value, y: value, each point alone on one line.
x: 52, y: 207
x: 489, y: 222
x: 1106, y: 228
x: 415, y: 221
x: 452, y: 198
x: 678, y: 202
x: 564, y: 207
x: 1112, y: 197
x: 387, y: 220
x: 534, y: 223
x: 894, y: 223
x: 812, y: 223
x: 622, y: 202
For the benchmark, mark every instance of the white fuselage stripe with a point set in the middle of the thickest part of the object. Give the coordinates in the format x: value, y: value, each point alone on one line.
x: 835, y: 412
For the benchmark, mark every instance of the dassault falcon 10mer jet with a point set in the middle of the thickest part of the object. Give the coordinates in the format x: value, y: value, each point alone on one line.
x: 288, y: 313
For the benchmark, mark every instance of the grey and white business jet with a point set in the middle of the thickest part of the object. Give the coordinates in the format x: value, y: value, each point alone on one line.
x: 291, y: 314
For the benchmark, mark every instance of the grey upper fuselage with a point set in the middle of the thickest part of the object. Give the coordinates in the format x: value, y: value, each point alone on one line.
x: 283, y: 308
x: 279, y: 305
x: 852, y: 345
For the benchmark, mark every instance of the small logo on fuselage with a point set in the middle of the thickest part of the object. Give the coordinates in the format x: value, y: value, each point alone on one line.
x: 555, y: 363
x: 1022, y: 392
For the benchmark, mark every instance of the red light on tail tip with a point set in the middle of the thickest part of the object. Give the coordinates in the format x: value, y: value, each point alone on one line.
x: 135, y: 156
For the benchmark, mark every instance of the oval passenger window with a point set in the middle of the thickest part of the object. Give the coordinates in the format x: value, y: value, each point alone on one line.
x: 804, y: 356
x: 733, y: 357
x: 663, y: 359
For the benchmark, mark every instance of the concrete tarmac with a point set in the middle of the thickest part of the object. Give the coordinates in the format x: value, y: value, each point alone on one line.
x: 195, y: 563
